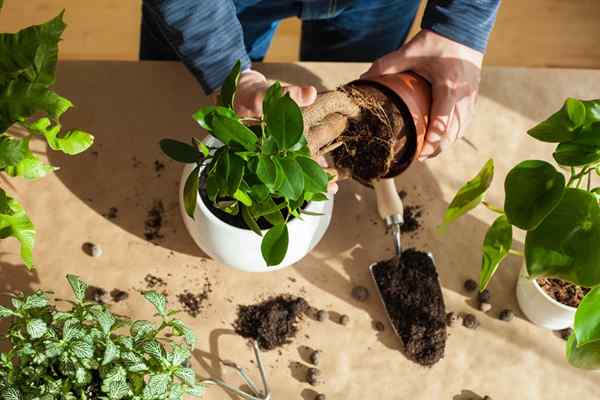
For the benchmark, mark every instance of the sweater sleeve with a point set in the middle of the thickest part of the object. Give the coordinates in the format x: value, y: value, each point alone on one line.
x: 468, y: 22
x: 206, y: 35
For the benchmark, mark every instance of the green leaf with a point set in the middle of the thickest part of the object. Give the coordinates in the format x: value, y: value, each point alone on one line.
x: 587, y: 318
x: 315, y: 179
x: 293, y: 182
x: 533, y: 188
x: 180, y: 151
x: 6, y: 312
x: 117, y: 390
x: 182, y: 329
x: 190, y: 192
x: 275, y: 244
x: 196, y: 390
x: 266, y: 170
x: 72, y: 142
x: 180, y: 355
x: 242, y: 198
x: 30, y: 168
x: 111, y: 353
x: 105, y: 320
x: 565, y: 244
x: 18, y: 225
x: 272, y: 96
x: 236, y: 172
x: 78, y: 286
x: 227, y: 95
x: 562, y: 125
x: 12, y: 150
x: 202, y: 148
x: 592, y: 111
x: 250, y: 221
x: 153, y: 348
x: 158, y: 301
x: 204, y: 115
x: 589, y: 135
x: 585, y: 356
x: 497, y: 243
x: 82, y: 350
x: 157, y: 385
x: 318, y: 197
x: 10, y: 393
x: 574, y: 154
x: 284, y: 122
x: 229, y: 130
x: 36, y: 328
x: 187, y: 375
x: 36, y: 300
x: 71, y: 330
x: 471, y: 194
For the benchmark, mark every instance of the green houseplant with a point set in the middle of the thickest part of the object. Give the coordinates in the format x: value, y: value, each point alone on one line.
x: 561, y: 217
x: 262, y: 174
x: 30, y: 109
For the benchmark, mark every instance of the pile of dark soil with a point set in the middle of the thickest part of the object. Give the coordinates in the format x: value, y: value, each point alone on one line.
x: 154, y: 221
x: 562, y: 291
x: 271, y: 323
x: 412, y: 219
x: 410, y: 288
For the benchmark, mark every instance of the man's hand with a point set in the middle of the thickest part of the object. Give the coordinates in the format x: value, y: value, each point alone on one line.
x: 252, y: 87
x: 454, y: 71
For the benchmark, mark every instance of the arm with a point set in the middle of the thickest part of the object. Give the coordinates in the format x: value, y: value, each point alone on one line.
x: 206, y: 35
x: 468, y: 22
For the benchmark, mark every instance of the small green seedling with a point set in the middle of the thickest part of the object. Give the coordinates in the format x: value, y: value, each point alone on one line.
x: 561, y: 217
x: 263, y: 173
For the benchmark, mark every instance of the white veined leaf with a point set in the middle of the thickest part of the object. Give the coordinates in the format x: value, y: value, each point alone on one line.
x: 36, y: 328
x: 141, y: 328
x: 61, y: 316
x: 158, y: 301
x: 117, y: 390
x: 82, y: 350
x: 176, y: 392
x: 196, y: 390
x: 6, y: 312
x: 110, y: 353
x: 179, y: 355
x: 187, y: 375
x: 157, y: 385
x: 16, y: 302
x: 71, y: 329
x: 106, y: 320
x: 79, y: 287
x: 153, y: 348
x: 115, y: 374
x: 139, y: 367
x: 126, y: 342
x: 182, y: 329
x: 10, y: 393
x: 82, y: 376
x: 36, y: 300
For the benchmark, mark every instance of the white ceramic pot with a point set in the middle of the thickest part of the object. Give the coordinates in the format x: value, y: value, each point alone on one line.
x: 240, y: 248
x: 539, y: 307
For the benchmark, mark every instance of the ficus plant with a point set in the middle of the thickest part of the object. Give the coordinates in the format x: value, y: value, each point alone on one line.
x: 558, y: 209
x: 263, y: 172
x: 29, y: 109
x: 78, y: 353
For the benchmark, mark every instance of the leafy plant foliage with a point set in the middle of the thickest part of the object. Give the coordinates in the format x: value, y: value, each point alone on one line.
x: 80, y: 354
x: 561, y: 217
x: 27, y: 71
x: 263, y: 172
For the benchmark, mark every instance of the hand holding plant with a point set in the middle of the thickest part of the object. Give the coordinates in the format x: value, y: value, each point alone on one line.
x: 263, y: 172
x: 560, y: 215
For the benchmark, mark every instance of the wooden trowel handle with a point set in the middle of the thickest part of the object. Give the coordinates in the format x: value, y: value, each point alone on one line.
x: 389, y: 203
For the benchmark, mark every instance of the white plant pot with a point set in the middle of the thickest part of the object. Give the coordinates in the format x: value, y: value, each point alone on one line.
x: 240, y: 248
x: 539, y: 307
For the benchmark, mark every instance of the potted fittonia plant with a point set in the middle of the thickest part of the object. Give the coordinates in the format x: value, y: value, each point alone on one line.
x: 30, y: 109
x: 251, y: 195
x: 561, y: 216
x: 88, y: 353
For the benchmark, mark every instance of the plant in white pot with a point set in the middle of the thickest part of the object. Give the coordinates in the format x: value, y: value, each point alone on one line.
x: 253, y: 197
x: 561, y: 218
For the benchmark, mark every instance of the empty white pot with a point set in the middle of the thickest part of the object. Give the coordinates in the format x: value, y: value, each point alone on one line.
x: 240, y: 248
x: 539, y: 307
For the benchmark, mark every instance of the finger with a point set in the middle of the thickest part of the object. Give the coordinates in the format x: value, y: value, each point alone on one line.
x: 304, y: 96
x: 332, y: 188
x: 389, y: 64
x: 439, y: 120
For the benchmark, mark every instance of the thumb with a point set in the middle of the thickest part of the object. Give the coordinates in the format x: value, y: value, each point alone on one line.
x: 391, y: 63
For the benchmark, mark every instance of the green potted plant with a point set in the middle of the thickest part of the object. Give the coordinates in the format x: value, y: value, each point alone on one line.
x: 30, y: 109
x: 252, y: 197
x: 561, y: 218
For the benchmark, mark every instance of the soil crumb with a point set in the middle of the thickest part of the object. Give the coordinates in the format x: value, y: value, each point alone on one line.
x: 112, y: 213
x: 158, y: 167
x: 562, y: 291
x: 153, y: 281
x: 412, y: 293
x: 95, y: 294
x: 271, y: 323
x: 154, y: 221
x: 412, y: 219
x: 118, y: 295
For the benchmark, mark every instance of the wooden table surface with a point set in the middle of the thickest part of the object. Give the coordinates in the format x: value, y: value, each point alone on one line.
x: 129, y: 106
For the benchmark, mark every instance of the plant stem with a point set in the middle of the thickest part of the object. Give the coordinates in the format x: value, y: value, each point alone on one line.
x: 516, y: 252
x: 492, y: 207
x: 589, y: 180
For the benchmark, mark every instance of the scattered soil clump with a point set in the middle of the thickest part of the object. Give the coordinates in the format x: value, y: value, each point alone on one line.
x: 470, y: 321
x: 412, y: 219
x: 410, y: 288
x: 273, y: 322
x: 154, y: 221
x: 153, y: 281
x: 95, y: 294
x: 506, y: 315
x: 484, y: 296
x: 92, y: 249
x: 453, y: 319
x: 112, y: 213
x: 118, y: 295
x: 470, y: 285
x: 360, y: 293
x: 562, y: 291
x: 192, y: 303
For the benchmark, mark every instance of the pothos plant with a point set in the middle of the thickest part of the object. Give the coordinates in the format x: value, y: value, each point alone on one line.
x: 30, y: 109
x: 560, y: 214
x: 78, y: 353
x: 263, y: 172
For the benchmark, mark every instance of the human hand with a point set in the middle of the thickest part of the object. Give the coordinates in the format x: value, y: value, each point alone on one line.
x: 454, y: 71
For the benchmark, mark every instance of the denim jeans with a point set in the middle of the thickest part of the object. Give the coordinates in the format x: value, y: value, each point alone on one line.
x: 332, y: 30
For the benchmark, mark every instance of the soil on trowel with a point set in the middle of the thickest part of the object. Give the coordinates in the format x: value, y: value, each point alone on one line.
x: 271, y: 323
x: 413, y: 297
x: 373, y: 142
x: 562, y: 291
